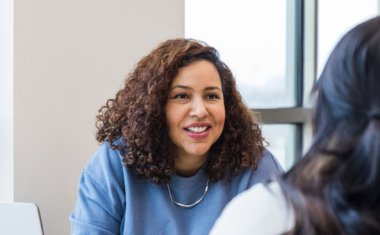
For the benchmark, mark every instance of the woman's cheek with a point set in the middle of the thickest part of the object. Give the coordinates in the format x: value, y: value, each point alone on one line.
x: 174, y: 118
x: 220, y: 115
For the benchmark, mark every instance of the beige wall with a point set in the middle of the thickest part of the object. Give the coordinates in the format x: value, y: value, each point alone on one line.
x: 69, y: 58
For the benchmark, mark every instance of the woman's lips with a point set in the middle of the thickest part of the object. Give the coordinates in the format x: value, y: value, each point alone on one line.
x: 201, y: 135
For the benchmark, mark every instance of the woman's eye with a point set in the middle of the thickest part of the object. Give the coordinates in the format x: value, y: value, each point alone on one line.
x: 212, y: 97
x: 181, y: 96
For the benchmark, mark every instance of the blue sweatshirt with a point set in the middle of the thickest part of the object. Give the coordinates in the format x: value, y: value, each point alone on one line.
x: 113, y: 201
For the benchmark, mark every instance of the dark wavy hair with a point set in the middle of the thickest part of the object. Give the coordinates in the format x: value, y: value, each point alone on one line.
x: 137, y: 117
x: 335, y: 188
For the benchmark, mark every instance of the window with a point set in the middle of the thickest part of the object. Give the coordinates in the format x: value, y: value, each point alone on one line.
x: 251, y: 39
x: 271, y: 48
x: 282, y: 142
x: 257, y: 40
x: 6, y: 101
x: 332, y: 26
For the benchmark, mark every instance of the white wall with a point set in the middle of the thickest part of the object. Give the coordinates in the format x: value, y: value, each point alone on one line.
x: 6, y: 101
x: 70, y: 57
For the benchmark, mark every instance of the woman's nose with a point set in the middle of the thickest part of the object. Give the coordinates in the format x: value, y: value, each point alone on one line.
x: 198, y: 109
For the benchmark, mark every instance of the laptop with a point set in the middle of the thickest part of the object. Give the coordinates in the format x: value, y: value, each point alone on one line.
x: 20, y: 219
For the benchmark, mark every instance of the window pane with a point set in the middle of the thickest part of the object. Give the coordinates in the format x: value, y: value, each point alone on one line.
x: 281, y: 139
x: 335, y: 18
x: 251, y: 37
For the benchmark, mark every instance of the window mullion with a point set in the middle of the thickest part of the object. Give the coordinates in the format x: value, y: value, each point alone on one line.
x: 310, y: 66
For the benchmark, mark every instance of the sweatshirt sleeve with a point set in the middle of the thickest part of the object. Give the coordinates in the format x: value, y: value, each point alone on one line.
x: 101, y: 196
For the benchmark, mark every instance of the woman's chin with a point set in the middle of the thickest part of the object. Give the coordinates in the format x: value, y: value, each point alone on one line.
x: 197, y: 151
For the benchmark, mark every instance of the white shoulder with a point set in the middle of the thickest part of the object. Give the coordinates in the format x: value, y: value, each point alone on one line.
x: 260, y: 210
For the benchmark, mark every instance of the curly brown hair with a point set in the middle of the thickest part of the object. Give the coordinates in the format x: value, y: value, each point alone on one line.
x: 137, y: 117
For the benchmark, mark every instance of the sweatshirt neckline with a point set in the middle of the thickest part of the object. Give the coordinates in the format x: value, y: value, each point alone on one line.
x: 189, y: 183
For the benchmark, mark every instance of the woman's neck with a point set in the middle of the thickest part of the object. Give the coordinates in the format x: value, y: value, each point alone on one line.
x: 187, y: 165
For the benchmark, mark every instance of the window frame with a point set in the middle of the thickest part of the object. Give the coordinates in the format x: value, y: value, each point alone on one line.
x: 304, y: 35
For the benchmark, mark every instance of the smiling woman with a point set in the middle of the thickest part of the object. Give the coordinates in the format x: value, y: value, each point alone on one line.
x: 195, y: 114
x: 178, y: 145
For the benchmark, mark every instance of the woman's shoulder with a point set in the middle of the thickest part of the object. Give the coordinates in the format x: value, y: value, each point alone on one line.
x: 105, y: 163
x: 101, y: 192
x: 260, y: 210
x: 269, y: 161
x: 268, y: 167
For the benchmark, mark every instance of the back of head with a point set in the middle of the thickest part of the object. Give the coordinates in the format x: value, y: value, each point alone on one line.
x: 335, y: 188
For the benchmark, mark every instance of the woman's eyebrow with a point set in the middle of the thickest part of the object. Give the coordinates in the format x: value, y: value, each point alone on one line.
x: 189, y: 88
x: 212, y: 88
x: 180, y: 86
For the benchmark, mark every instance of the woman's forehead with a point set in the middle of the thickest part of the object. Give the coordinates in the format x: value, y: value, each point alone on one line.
x: 197, y: 74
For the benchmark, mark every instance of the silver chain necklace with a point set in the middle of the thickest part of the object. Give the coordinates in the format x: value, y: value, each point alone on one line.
x: 195, y: 203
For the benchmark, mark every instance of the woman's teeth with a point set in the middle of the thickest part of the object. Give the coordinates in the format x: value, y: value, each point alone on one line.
x: 197, y: 129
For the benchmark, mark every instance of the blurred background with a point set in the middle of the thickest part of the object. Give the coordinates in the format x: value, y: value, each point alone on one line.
x: 61, y: 60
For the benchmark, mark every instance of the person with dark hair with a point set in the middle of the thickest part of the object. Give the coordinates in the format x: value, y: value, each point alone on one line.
x: 178, y: 144
x: 335, y: 188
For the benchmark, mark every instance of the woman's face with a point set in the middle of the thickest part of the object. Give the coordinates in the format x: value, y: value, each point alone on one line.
x: 195, y: 110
